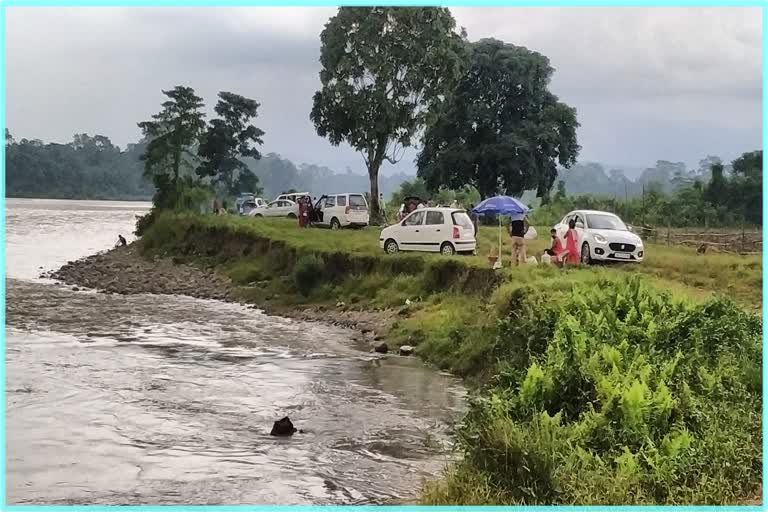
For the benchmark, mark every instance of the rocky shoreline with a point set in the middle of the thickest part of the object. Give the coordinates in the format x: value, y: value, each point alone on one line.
x: 124, y: 271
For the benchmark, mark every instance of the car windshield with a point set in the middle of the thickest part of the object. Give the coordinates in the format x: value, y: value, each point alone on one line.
x: 612, y: 222
x: 463, y: 220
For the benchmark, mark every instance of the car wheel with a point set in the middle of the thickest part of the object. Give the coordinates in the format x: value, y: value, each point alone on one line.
x: 258, y: 215
x: 335, y: 224
x: 390, y: 247
x: 447, y: 249
x: 586, y: 258
x: 292, y: 216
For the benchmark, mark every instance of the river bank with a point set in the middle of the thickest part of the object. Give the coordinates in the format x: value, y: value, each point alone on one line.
x: 124, y: 271
x: 593, y: 385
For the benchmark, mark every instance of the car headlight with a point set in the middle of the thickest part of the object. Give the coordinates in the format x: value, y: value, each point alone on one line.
x: 600, y: 239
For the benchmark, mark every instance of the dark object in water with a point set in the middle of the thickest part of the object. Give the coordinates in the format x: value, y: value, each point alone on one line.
x: 283, y: 427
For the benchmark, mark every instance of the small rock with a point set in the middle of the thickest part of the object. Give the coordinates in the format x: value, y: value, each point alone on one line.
x: 75, y: 289
x: 406, y: 350
x: 283, y: 428
x: 381, y: 348
x: 340, y: 304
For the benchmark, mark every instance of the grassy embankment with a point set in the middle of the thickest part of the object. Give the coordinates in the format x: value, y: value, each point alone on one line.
x: 621, y: 384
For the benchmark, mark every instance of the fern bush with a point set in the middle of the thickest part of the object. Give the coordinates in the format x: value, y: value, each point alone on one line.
x: 619, y: 394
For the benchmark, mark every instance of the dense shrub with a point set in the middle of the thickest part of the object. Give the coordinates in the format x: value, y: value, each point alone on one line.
x: 307, y: 273
x: 618, y: 394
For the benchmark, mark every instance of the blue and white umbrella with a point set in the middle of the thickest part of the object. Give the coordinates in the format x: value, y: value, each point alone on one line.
x: 501, y: 205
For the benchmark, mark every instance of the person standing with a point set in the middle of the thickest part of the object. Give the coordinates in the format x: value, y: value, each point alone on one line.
x: 517, y: 228
x: 572, y: 244
x: 302, y: 212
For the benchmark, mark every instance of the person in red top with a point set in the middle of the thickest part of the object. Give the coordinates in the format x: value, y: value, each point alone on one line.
x: 556, y: 251
x: 303, y: 212
x: 572, y: 244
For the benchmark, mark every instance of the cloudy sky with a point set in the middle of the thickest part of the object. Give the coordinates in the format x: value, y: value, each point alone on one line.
x: 648, y: 83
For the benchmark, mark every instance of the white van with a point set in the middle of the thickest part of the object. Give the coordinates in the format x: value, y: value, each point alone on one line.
x: 341, y: 210
x: 293, y: 197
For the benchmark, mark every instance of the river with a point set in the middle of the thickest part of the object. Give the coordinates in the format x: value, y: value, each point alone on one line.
x: 154, y: 400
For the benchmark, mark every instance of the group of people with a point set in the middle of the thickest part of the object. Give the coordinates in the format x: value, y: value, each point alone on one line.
x: 561, y: 252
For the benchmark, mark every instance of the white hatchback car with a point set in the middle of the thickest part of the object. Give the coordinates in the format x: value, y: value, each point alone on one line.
x: 341, y: 210
x: 603, y: 236
x: 443, y: 230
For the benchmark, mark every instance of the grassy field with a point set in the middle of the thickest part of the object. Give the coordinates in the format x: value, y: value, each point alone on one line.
x: 672, y: 267
x: 608, y: 384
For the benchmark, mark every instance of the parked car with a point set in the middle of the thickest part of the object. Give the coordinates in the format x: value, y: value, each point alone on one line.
x: 241, y: 200
x: 443, y: 230
x: 341, y: 210
x: 603, y: 236
x: 251, y: 204
x: 279, y: 208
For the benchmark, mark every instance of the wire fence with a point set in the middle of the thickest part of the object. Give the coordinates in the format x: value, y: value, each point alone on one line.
x: 737, y: 241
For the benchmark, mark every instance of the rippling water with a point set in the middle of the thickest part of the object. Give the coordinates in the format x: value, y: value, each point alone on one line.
x: 162, y: 400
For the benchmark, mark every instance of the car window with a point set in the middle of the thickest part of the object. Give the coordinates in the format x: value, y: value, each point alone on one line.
x: 434, y: 217
x: 357, y: 202
x: 414, y: 219
x: 330, y: 202
x: 341, y: 200
x: 463, y: 220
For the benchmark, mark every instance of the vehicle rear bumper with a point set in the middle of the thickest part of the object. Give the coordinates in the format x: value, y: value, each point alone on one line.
x: 465, y: 245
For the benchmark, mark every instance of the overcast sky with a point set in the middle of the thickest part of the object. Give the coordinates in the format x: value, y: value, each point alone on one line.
x: 648, y: 83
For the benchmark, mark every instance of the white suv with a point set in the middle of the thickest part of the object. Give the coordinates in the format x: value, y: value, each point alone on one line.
x: 341, y: 210
x: 443, y: 230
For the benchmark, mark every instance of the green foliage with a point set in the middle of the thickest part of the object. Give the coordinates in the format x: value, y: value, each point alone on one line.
x: 227, y: 140
x: 170, y: 135
x: 383, y: 70
x: 90, y: 167
x: 307, y: 273
x: 501, y: 130
x: 665, y: 195
x: 622, y: 394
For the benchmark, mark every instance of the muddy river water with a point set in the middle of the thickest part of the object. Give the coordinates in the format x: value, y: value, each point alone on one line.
x: 150, y: 399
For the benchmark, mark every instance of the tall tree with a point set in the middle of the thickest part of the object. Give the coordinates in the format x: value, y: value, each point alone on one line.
x: 228, y: 139
x: 501, y: 129
x: 172, y: 133
x: 383, y: 70
x: 747, y: 185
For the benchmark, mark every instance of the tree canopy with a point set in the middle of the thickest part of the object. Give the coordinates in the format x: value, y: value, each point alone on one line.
x: 171, y: 135
x: 89, y: 167
x: 227, y: 140
x: 501, y: 130
x: 383, y: 70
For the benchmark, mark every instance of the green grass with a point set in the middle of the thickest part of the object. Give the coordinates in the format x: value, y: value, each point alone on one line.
x: 631, y: 383
x: 674, y: 267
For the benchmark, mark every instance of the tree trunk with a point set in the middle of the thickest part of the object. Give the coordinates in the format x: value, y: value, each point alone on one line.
x: 176, y: 165
x: 373, y: 176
